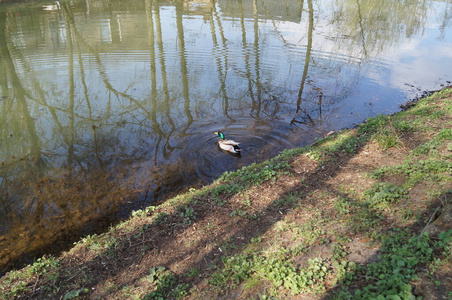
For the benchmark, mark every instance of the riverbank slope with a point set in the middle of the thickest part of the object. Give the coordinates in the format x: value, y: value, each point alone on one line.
x: 362, y: 213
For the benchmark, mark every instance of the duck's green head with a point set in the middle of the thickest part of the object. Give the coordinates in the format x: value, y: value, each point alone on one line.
x: 220, y: 134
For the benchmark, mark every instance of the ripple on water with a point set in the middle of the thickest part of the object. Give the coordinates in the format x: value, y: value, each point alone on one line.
x: 258, y: 140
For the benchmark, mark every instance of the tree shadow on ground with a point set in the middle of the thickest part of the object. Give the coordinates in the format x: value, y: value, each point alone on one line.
x: 165, y: 238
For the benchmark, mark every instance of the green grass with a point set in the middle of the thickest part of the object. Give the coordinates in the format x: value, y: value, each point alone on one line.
x: 402, y: 254
x: 165, y: 284
x: 45, y: 268
x: 255, y: 174
x: 76, y: 294
x: 383, y: 194
x: 275, y: 268
x: 288, y: 200
x: 387, y: 139
x: 417, y: 170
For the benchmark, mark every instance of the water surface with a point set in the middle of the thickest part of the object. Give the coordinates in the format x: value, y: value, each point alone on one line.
x: 108, y: 106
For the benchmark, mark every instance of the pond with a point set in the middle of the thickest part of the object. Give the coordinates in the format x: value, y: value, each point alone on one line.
x: 110, y: 106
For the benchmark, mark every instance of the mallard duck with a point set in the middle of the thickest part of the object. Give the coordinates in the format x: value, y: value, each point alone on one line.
x: 228, y: 145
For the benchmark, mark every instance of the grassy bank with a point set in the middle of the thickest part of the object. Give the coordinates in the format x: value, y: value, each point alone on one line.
x: 362, y: 214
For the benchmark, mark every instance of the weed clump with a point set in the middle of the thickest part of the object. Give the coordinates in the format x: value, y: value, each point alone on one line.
x: 401, y: 256
x: 385, y: 194
x: 165, y: 285
x: 277, y: 269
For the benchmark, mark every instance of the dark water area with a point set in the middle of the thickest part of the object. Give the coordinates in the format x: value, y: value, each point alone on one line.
x: 109, y: 106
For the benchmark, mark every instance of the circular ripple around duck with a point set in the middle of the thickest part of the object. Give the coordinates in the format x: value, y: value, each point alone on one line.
x: 204, y: 160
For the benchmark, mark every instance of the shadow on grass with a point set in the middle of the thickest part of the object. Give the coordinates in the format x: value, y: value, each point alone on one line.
x: 192, y: 235
x: 231, y: 234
